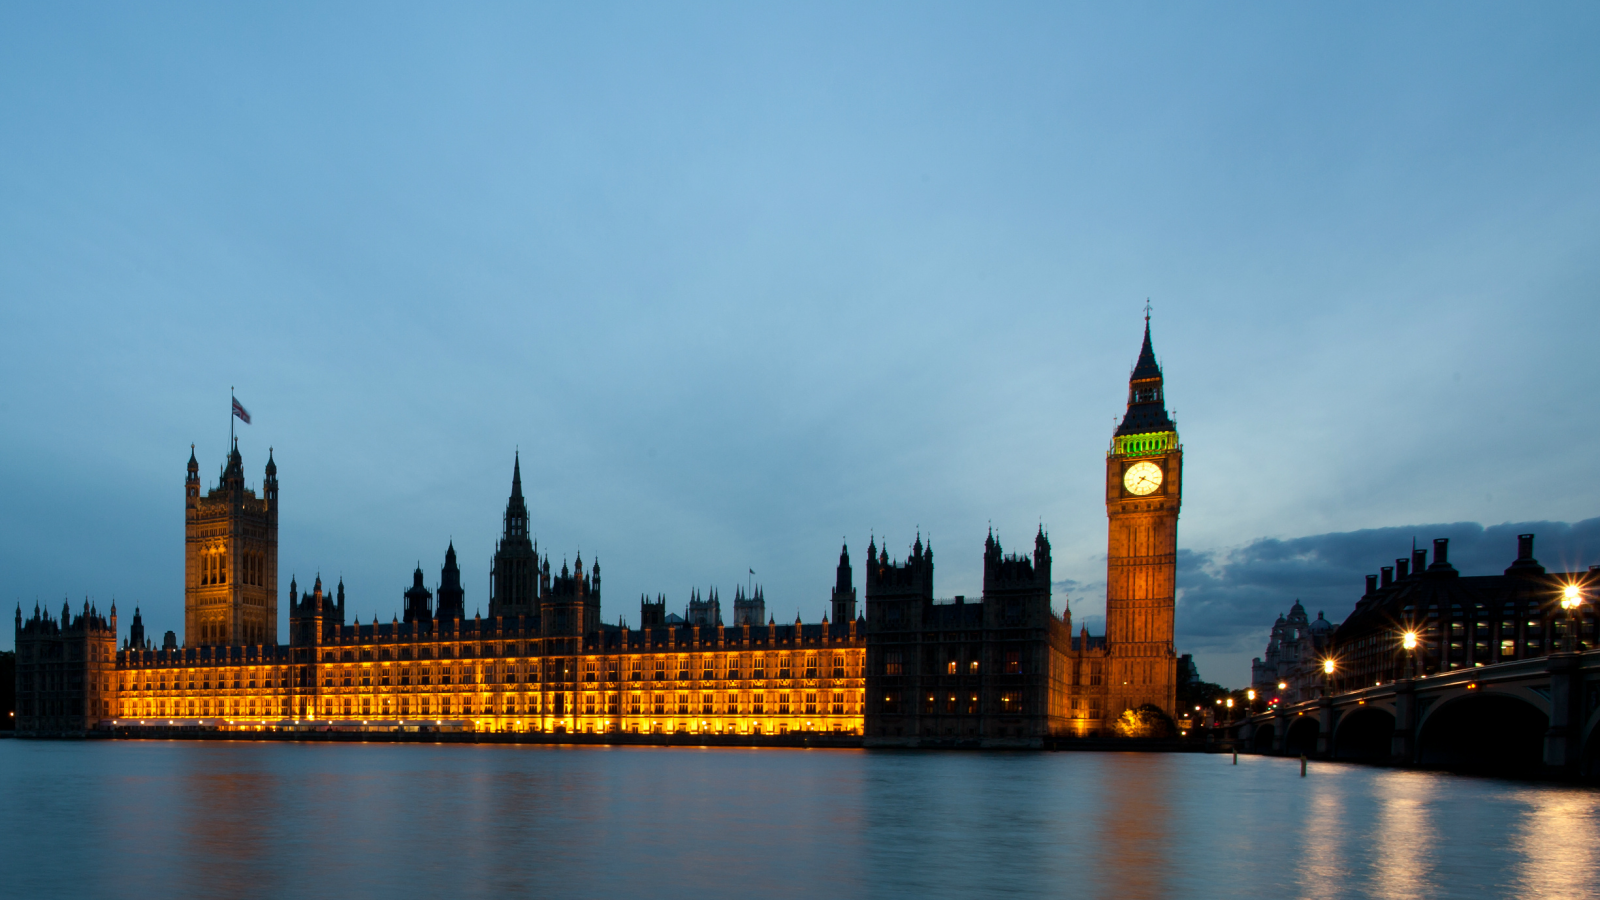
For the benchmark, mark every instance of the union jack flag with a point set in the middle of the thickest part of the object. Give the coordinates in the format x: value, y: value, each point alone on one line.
x: 239, y: 411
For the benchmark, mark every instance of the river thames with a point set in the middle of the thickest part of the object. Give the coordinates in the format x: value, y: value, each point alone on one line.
x: 204, y: 819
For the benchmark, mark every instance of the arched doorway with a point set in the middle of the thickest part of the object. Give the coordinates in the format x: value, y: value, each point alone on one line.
x: 1262, y: 741
x: 1301, y: 738
x: 1492, y: 734
x: 1366, y: 734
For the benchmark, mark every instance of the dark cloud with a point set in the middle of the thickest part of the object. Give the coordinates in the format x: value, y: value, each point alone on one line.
x: 1227, y: 600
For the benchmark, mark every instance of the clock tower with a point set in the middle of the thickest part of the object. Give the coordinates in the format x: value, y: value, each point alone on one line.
x: 1144, y: 486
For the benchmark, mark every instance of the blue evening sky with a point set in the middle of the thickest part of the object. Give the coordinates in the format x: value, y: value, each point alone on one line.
x: 745, y: 280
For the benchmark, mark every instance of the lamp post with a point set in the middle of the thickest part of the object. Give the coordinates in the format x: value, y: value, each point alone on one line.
x: 1571, y: 599
x: 1327, y: 677
x: 1250, y: 695
x: 1409, y: 641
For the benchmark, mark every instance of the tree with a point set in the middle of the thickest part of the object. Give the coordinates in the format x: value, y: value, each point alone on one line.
x: 1148, y: 721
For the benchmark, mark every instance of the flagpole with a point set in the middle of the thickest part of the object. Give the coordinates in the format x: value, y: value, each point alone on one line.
x: 230, y: 418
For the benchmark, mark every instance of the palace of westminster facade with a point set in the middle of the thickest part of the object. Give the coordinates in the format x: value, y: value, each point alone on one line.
x: 909, y: 670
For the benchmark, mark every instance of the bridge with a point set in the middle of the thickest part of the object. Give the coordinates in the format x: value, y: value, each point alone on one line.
x: 1530, y: 716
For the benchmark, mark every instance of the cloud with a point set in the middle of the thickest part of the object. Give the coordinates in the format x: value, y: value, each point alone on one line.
x: 1227, y: 600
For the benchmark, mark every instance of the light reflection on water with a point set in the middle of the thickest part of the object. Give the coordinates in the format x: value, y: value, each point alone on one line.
x: 268, y: 820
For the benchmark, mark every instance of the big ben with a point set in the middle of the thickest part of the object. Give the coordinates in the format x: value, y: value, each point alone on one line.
x: 1144, y: 487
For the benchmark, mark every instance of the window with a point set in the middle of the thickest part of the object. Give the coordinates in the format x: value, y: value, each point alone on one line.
x: 1011, y: 702
x: 972, y: 667
x: 950, y: 667
x: 838, y: 665
x: 705, y: 704
x: 811, y: 667
x: 683, y: 704
x: 892, y: 664
x: 783, y: 703
x: 838, y: 703
x: 634, y: 703
x: 811, y: 704
x: 1013, y: 662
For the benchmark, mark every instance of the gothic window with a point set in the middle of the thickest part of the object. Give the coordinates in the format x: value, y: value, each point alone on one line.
x: 892, y: 664
x: 838, y: 665
x: 1013, y: 662
x: 783, y: 703
x: 811, y: 704
x: 811, y: 667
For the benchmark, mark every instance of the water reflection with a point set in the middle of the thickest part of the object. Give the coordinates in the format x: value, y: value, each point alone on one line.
x: 1133, y: 848
x: 246, y: 820
x: 1403, y: 835
x: 1554, y: 841
x: 1324, y: 870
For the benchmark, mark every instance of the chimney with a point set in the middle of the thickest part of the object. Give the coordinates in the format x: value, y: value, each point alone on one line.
x: 1402, y: 568
x: 1388, y: 575
x: 1441, y: 552
x: 1372, y: 584
x: 1419, y: 560
x: 1524, y: 547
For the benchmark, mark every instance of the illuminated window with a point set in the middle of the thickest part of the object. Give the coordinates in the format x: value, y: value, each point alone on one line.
x: 838, y: 665
x: 783, y: 703
x: 683, y: 704
x: 838, y: 703
x: 972, y: 667
x: 659, y: 703
x: 1013, y: 662
x: 1010, y: 702
x: 758, y: 705
x: 811, y: 667
x: 892, y: 664
x: 633, y: 704
x: 705, y: 704
x: 950, y: 667
x: 811, y: 704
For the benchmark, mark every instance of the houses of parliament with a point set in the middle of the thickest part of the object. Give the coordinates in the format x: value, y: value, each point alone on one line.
x: 906, y: 669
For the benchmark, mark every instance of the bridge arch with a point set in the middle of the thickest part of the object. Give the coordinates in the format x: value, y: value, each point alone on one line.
x: 1366, y: 733
x: 1301, y: 736
x: 1262, y: 740
x: 1492, y: 733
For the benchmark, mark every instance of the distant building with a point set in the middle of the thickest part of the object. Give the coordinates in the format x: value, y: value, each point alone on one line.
x: 1460, y: 621
x: 1295, y: 652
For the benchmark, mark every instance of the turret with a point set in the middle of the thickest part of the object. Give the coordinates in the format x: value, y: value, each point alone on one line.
x: 191, y: 482
x: 418, y: 605
x: 844, y: 589
x: 452, y: 598
x: 269, y: 485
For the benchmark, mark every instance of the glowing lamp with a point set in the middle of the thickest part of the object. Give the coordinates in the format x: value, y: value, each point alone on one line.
x: 1327, y: 666
x: 1250, y: 694
x: 1409, y: 640
x: 1571, y: 596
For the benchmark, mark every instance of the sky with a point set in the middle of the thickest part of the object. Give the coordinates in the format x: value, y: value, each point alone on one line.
x: 742, y: 283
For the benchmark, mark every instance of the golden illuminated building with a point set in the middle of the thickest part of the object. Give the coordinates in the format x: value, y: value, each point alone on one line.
x: 1002, y: 670
x: 1144, y: 488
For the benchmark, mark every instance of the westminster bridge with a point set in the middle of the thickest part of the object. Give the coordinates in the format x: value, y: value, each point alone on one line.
x: 1531, y: 716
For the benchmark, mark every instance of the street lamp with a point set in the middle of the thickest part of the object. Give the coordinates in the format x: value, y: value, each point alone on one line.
x: 1409, y: 641
x: 1571, y: 599
x: 1327, y: 676
x: 1250, y: 695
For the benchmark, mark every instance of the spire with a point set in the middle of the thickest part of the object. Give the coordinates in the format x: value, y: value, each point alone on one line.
x: 516, y: 476
x: 1147, y: 407
x: 272, y: 467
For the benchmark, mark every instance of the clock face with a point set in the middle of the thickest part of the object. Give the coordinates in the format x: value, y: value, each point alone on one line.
x: 1142, y: 478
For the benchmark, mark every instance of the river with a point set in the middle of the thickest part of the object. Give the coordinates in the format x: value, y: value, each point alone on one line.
x: 242, y: 819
